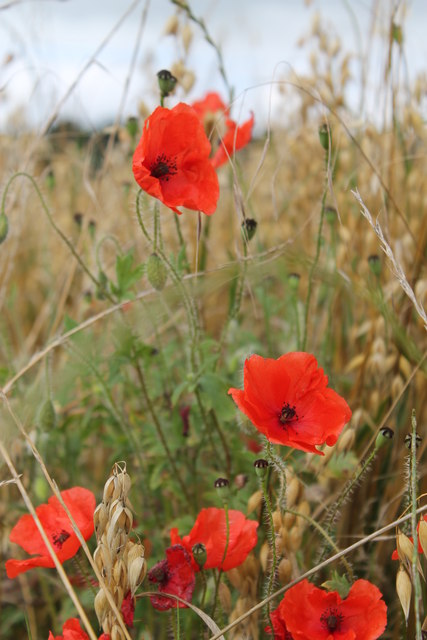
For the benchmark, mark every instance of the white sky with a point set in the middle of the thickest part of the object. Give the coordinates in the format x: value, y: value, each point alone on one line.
x: 51, y: 40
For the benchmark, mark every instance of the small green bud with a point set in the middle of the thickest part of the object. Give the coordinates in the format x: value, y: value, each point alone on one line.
x: 375, y: 264
x: 78, y: 219
x: 261, y: 467
x: 46, y: 418
x: 249, y: 226
x: 199, y: 554
x: 92, y: 228
x: 293, y: 279
x: 4, y: 227
x: 156, y: 272
x: 222, y: 485
x: 324, y: 135
x: 384, y: 436
x: 50, y: 180
x: 166, y: 82
x: 331, y: 215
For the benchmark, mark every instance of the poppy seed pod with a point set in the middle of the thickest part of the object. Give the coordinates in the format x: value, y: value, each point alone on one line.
x: 384, y: 436
x: 166, y: 82
x: 422, y: 535
x: 222, y: 486
x: 261, y: 468
x: 249, y: 227
x: 199, y: 554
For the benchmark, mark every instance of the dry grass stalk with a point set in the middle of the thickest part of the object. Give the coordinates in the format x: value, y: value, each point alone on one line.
x: 398, y: 271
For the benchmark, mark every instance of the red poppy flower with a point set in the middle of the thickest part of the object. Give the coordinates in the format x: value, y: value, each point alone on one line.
x: 210, y: 529
x: 234, y: 139
x: 279, y: 627
x: 81, y: 503
x: 289, y: 402
x: 210, y: 111
x: 128, y: 609
x: 210, y: 106
x: 72, y: 630
x: 309, y: 612
x: 175, y: 575
x: 171, y: 161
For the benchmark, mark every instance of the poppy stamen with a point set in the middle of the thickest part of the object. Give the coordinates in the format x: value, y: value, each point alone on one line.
x: 163, y: 167
x: 332, y: 619
x: 288, y: 414
x: 60, y: 538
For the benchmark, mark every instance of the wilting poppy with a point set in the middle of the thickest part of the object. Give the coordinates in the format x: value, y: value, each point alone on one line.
x: 171, y: 161
x: 175, y: 575
x: 81, y: 503
x: 309, y: 612
x: 128, y: 609
x: 289, y: 402
x: 211, y: 531
x: 71, y: 630
x: 231, y: 136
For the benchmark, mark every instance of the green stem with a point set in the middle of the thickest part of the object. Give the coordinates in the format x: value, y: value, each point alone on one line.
x: 413, y: 484
x: 312, y: 270
x: 112, y: 239
x: 272, y: 540
x: 159, y: 430
x: 51, y: 222
x: 182, y: 245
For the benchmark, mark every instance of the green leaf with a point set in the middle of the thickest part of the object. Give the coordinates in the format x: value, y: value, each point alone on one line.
x: 127, y: 275
x: 338, y: 583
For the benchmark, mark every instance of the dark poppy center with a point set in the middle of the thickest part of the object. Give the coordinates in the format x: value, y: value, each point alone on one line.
x: 332, y: 619
x: 159, y: 573
x: 60, y: 538
x: 163, y: 167
x: 287, y: 414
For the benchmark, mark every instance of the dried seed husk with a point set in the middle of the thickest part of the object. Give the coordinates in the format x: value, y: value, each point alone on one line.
x: 254, y: 503
x: 136, y: 573
x: 284, y: 571
x: 292, y: 492
x: 101, y: 606
x: 422, y: 535
x: 404, y: 590
x: 224, y: 595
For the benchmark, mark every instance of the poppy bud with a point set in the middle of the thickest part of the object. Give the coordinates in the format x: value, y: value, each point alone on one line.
x: 4, y: 227
x: 199, y: 554
x: 156, y: 272
x: 46, y: 418
x: 385, y: 434
x: 166, y: 82
x: 92, y: 228
x: 50, y: 179
x: 293, y: 279
x: 78, y: 219
x: 261, y: 467
x: 249, y: 226
x: 375, y: 264
x: 331, y: 215
x: 132, y: 126
x: 324, y: 135
x: 222, y: 486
